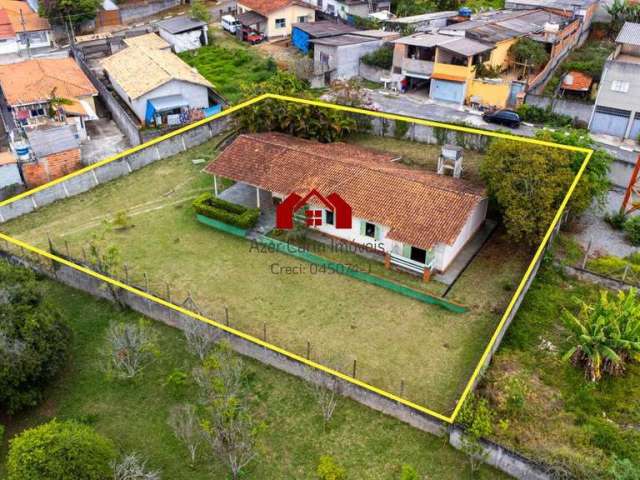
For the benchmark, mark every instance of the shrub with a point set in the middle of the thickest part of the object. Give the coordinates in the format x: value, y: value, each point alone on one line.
x: 624, y: 469
x: 328, y: 469
x: 130, y: 347
x: 407, y: 472
x: 616, y: 220
x: 534, y: 114
x: 632, y: 228
x: 218, y: 209
x: 60, y: 450
x: 381, y: 58
x: 34, y: 339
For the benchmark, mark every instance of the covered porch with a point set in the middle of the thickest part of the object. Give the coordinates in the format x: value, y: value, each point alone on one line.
x: 250, y: 197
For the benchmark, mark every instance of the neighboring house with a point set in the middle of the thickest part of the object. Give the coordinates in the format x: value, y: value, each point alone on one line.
x: 338, y: 58
x: 148, y: 40
x: 582, y: 9
x: 279, y: 15
x: 408, y: 216
x: 303, y: 33
x: 420, y: 23
x: 55, y: 152
x: 617, y: 108
x: 184, y: 33
x: 446, y: 63
x: 21, y: 28
x: 108, y: 14
x: 30, y: 86
x: 159, y: 87
x: 10, y: 179
x: 347, y: 9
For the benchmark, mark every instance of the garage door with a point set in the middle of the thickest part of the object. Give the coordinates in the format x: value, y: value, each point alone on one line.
x: 610, y: 121
x: 447, y: 91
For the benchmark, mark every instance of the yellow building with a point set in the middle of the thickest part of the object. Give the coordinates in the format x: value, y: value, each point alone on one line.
x: 275, y: 17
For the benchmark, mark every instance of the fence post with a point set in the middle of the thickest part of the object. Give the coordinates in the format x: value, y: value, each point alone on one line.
x: 354, y: 368
x: 586, y: 253
x: 402, y: 387
x: 308, y: 350
x: 626, y: 272
x: 126, y: 273
x: 226, y: 316
x: 264, y: 331
x: 66, y: 246
x: 146, y: 282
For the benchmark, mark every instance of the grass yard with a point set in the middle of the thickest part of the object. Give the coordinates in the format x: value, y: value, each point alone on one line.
x: 545, y: 407
x: 393, y: 338
x: 133, y: 414
x: 229, y: 64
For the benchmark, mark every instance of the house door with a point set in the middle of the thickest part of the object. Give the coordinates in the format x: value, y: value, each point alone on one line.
x: 447, y: 91
x: 610, y: 121
x: 516, y: 88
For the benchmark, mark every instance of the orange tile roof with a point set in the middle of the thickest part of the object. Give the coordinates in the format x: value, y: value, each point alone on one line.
x: 33, y: 81
x: 32, y: 21
x: 580, y: 82
x: 422, y: 208
x: 264, y: 7
x: 6, y: 29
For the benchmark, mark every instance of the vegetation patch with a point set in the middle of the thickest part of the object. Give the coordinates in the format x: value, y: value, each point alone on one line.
x: 237, y: 215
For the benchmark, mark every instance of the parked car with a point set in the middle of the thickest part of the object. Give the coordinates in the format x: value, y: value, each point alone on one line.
x: 230, y: 24
x: 251, y: 36
x: 503, y: 117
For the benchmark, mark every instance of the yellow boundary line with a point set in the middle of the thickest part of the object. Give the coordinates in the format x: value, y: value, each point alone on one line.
x: 275, y: 348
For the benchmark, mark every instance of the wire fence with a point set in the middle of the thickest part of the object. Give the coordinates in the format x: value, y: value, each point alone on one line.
x: 624, y: 270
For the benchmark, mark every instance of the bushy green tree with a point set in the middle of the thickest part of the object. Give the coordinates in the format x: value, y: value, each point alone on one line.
x: 529, y: 52
x: 528, y: 183
x: 306, y: 121
x: 60, y: 451
x: 199, y: 11
x: 34, y: 339
x: 61, y: 11
x: 605, y: 334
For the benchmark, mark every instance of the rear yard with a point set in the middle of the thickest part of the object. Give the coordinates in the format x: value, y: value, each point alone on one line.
x: 393, y: 338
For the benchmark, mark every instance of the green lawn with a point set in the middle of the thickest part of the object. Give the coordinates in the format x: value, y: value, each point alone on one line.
x: 392, y: 337
x: 229, y: 64
x: 369, y: 444
x: 564, y: 420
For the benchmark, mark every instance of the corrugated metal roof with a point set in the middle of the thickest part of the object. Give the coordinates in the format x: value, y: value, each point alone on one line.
x: 250, y: 18
x: 426, y: 39
x: 48, y: 141
x: 180, y: 24
x: 467, y: 47
x: 324, y: 28
x: 342, y: 40
x: 630, y: 34
x: 425, y: 17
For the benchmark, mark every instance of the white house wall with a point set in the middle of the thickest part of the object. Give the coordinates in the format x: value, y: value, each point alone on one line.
x: 9, y: 45
x: 345, y: 60
x: 447, y: 253
x: 185, y: 41
x: 9, y: 175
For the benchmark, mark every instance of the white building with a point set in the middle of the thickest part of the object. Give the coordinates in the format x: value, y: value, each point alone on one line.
x: 159, y: 87
x: 184, y: 33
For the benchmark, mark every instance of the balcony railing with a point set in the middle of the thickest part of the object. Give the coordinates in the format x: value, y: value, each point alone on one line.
x: 417, y: 68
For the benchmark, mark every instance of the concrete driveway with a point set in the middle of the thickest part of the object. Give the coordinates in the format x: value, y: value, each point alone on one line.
x: 104, y: 140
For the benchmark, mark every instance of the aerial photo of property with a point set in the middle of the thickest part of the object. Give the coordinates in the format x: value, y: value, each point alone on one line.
x: 333, y: 240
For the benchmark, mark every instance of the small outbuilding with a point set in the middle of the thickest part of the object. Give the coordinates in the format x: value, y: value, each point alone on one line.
x: 303, y: 33
x: 184, y: 33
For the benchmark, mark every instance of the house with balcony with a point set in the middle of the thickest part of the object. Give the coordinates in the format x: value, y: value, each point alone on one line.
x: 275, y: 18
x: 617, y: 108
x: 468, y: 62
x: 413, y: 219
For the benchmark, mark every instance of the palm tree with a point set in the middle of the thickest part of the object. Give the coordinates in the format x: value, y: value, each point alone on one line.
x: 55, y: 102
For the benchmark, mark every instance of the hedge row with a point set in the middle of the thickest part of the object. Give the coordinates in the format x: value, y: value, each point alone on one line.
x: 231, y: 213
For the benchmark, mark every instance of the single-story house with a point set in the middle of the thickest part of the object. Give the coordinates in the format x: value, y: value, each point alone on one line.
x: 412, y: 218
x: 34, y: 88
x: 184, y: 33
x: 280, y: 14
x: 148, y: 40
x: 55, y: 152
x: 22, y: 28
x: 303, y: 33
x: 338, y: 58
x: 159, y: 87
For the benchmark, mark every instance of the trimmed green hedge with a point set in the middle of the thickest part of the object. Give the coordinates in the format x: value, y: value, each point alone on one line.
x: 227, y: 212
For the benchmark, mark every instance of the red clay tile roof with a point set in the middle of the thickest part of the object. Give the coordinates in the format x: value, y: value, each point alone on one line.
x: 17, y: 11
x: 6, y: 29
x: 421, y: 208
x: 264, y: 7
x: 32, y: 81
x: 577, y: 81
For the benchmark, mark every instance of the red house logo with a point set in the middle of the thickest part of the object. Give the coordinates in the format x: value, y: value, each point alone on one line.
x: 334, y: 203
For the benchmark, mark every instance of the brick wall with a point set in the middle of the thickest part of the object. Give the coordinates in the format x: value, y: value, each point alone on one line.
x: 49, y: 168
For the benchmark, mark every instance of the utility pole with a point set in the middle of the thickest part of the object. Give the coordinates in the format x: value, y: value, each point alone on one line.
x: 25, y: 33
x: 72, y: 38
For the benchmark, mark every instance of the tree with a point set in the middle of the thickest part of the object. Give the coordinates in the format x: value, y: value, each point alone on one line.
x: 229, y: 428
x: 130, y: 347
x: 133, y: 467
x: 307, y: 121
x: 326, y: 397
x: 199, y: 11
x: 107, y: 261
x: 529, y: 53
x: 55, y: 102
x: 184, y: 422
x: 528, y: 183
x: 60, y: 450
x: 34, y: 339
x: 200, y: 336
x: 62, y: 11
x: 606, y: 334
x: 621, y: 11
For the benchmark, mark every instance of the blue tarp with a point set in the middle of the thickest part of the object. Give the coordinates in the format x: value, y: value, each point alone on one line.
x: 300, y: 40
x: 212, y: 110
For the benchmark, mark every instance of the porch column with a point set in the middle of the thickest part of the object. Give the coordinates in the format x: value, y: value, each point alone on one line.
x: 257, y: 197
x: 426, y: 276
x: 387, y: 260
x: 215, y: 185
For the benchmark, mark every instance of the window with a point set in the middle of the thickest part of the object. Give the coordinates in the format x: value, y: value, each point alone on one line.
x: 331, y: 9
x: 302, y: 19
x: 370, y: 230
x: 320, y: 4
x: 281, y: 22
x: 620, y: 86
x: 329, y: 217
x: 418, y: 255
